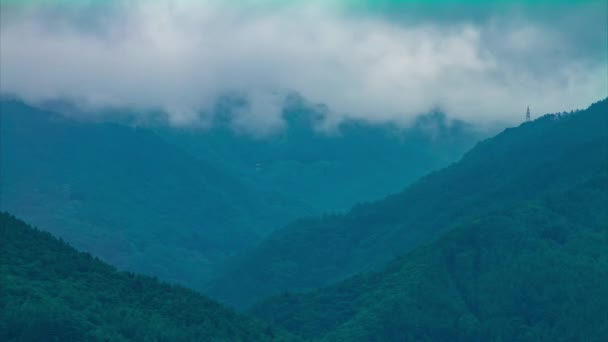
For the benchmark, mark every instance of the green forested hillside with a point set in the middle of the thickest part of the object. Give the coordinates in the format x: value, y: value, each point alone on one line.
x: 537, y: 271
x: 51, y: 292
x: 520, y: 164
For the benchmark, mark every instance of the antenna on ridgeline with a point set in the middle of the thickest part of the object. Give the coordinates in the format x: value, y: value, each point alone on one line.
x: 528, y: 114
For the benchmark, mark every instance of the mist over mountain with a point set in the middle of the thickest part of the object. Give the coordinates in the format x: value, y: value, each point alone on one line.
x: 376, y: 61
x: 329, y: 170
x: 336, y: 170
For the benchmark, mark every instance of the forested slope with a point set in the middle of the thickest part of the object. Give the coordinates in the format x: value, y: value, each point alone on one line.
x: 537, y: 271
x: 51, y: 292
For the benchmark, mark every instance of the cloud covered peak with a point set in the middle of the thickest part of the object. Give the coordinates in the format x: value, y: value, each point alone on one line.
x: 181, y: 56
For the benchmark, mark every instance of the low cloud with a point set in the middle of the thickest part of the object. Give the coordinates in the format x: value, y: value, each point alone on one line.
x: 180, y: 57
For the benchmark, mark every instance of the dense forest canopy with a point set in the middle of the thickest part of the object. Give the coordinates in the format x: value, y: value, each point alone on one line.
x: 537, y: 271
x: 51, y: 292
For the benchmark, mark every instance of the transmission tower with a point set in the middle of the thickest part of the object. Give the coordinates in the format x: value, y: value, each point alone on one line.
x: 528, y: 114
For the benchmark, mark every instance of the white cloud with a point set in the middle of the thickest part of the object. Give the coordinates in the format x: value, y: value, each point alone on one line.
x: 180, y: 56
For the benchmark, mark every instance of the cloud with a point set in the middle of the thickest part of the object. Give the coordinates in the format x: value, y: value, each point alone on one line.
x: 182, y: 56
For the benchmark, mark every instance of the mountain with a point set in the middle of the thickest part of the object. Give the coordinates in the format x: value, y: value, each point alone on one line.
x: 51, y: 292
x: 520, y: 164
x: 536, y: 271
x: 177, y: 203
x: 127, y: 196
x: 328, y: 170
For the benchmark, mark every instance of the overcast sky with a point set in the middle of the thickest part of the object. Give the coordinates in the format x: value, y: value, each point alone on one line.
x: 372, y: 60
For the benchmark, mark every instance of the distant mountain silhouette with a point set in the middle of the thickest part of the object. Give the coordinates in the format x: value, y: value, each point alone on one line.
x: 127, y: 196
x: 178, y: 203
x: 329, y: 171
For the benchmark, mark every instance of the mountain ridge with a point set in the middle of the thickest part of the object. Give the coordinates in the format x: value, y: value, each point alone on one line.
x: 531, y: 269
x: 144, y: 200
x: 518, y: 164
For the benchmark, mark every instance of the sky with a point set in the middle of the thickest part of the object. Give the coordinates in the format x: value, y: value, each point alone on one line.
x: 376, y: 61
